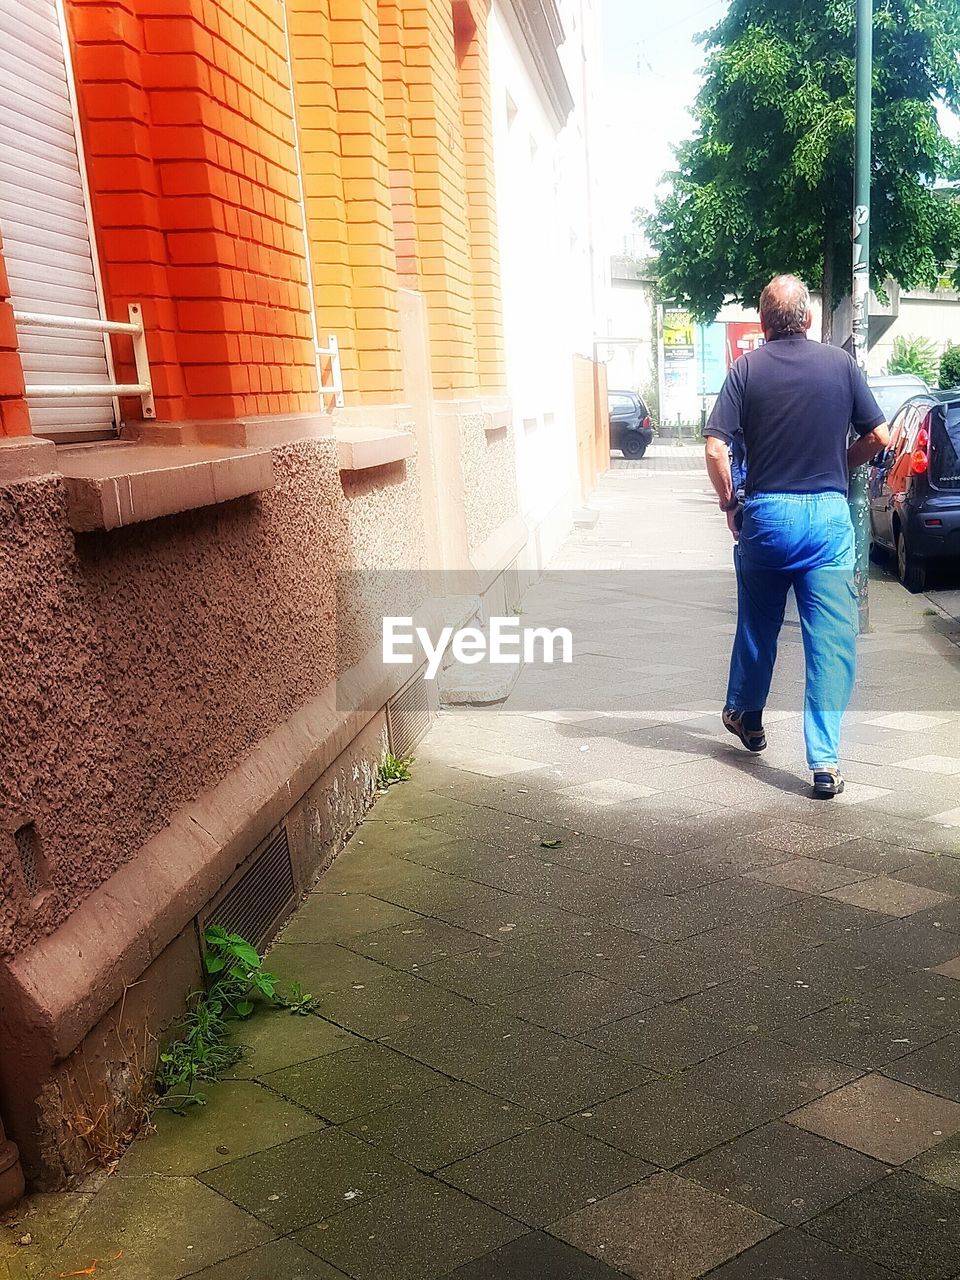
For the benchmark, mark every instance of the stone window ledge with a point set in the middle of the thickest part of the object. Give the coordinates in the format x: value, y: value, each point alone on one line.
x: 360, y: 448
x: 117, y: 483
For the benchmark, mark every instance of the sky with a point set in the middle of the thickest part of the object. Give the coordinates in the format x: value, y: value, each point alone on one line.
x: 650, y: 79
x: 651, y: 65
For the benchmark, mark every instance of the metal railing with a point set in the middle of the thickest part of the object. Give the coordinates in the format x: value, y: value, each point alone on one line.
x: 334, y: 390
x: 143, y: 387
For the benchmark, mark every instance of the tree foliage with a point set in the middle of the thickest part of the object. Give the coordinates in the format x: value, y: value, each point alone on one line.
x: 914, y: 355
x: 950, y: 368
x: 766, y: 184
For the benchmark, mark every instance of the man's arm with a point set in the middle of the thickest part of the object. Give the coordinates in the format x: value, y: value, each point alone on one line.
x: 864, y: 447
x: 723, y: 427
x: 718, y: 469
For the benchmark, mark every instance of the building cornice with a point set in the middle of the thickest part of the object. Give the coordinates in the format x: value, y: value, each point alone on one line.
x: 543, y: 31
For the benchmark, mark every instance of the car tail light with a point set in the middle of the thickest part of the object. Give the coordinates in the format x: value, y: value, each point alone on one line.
x: 921, y: 459
x: 646, y: 422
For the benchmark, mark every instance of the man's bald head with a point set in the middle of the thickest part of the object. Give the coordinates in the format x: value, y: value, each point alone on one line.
x: 785, y: 307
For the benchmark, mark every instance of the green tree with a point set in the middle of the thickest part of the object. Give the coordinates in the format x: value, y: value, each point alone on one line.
x: 914, y: 355
x: 766, y: 183
x: 950, y: 368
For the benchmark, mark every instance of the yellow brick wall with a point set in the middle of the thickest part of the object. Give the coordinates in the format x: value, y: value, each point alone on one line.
x: 477, y: 122
x: 341, y: 119
x: 426, y: 75
x: 393, y: 110
x: 365, y: 172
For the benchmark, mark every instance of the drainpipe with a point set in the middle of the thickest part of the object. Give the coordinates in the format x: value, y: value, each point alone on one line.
x: 11, y: 1174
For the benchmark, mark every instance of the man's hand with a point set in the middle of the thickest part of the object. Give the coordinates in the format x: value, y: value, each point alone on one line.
x: 863, y: 450
x: 732, y: 523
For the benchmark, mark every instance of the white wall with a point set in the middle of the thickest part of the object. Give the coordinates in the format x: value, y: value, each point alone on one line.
x: 936, y: 318
x: 551, y: 271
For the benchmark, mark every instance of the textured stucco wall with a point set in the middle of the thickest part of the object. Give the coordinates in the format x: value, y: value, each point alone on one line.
x: 138, y: 666
x: 489, y: 477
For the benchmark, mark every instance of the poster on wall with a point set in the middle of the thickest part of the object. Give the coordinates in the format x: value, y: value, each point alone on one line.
x: 712, y: 362
x: 742, y: 336
x: 679, y: 400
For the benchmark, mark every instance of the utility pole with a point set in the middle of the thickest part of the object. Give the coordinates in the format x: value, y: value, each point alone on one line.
x: 861, y: 286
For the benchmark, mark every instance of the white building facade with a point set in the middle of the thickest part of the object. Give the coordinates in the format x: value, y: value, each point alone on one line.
x: 543, y: 56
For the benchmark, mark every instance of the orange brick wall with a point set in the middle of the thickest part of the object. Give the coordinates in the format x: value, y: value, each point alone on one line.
x: 14, y: 415
x: 188, y: 125
x: 428, y: 81
x: 477, y: 118
x: 187, y: 122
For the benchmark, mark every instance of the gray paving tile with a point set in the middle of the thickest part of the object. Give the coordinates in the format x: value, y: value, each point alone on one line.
x: 446, y: 1124
x: 667, y: 1122
x: 574, y: 1003
x: 888, y: 896
x: 666, y: 1039
x: 861, y: 1036
x: 387, y: 1001
x: 329, y: 917
x: 760, y: 1001
x: 414, y: 1232
x: 870, y: 855
x: 278, y: 1260
x: 882, y: 1118
x: 319, y: 967
x: 239, y: 1117
x: 769, y: 1070
x: 784, y: 1172
x: 808, y: 875
x: 300, y: 1182
x: 522, y: 1063
x: 666, y: 1227
x: 836, y: 967
x: 914, y: 942
x: 535, y: 1256
x: 902, y: 1222
x: 167, y: 1227
x: 493, y: 971
x: 941, y: 1164
x: 793, y: 1255
x: 411, y: 946
x: 545, y: 1174
x: 934, y: 1068
x: 933, y: 871
x: 343, y: 1085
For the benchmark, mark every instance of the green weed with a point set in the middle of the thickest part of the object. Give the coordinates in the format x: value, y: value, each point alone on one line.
x: 393, y: 769
x: 236, y: 985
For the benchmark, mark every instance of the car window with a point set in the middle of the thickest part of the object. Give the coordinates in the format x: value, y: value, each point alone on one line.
x: 945, y: 449
x: 621, y: 402
x: 891, y: 397
x: 897, y: 435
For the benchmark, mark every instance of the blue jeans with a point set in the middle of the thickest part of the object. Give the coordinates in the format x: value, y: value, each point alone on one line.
x: 804, y: 541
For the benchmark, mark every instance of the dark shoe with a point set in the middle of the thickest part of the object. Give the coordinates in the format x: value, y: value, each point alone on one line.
x: 827, y: 783
x: 753, y: 738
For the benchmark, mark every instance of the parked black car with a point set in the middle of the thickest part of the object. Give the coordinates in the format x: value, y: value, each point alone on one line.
x: 915, y: 486
x: 630, y: 427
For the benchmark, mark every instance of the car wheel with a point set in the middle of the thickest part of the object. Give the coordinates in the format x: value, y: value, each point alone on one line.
x: 911, y: 571
x: 633, y: 447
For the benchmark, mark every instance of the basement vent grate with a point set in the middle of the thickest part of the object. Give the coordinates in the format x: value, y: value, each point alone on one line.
x: 28, y: 851
x: 408, y: 716
x: 259, y: 900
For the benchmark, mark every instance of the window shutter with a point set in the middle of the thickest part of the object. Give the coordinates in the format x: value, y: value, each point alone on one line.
x: 44, y: 217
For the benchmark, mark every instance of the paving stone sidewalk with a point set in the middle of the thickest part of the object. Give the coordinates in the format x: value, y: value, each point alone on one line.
x: 601, y: 995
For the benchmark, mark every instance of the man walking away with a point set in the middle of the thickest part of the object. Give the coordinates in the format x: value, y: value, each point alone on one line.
x: 794, y: 400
